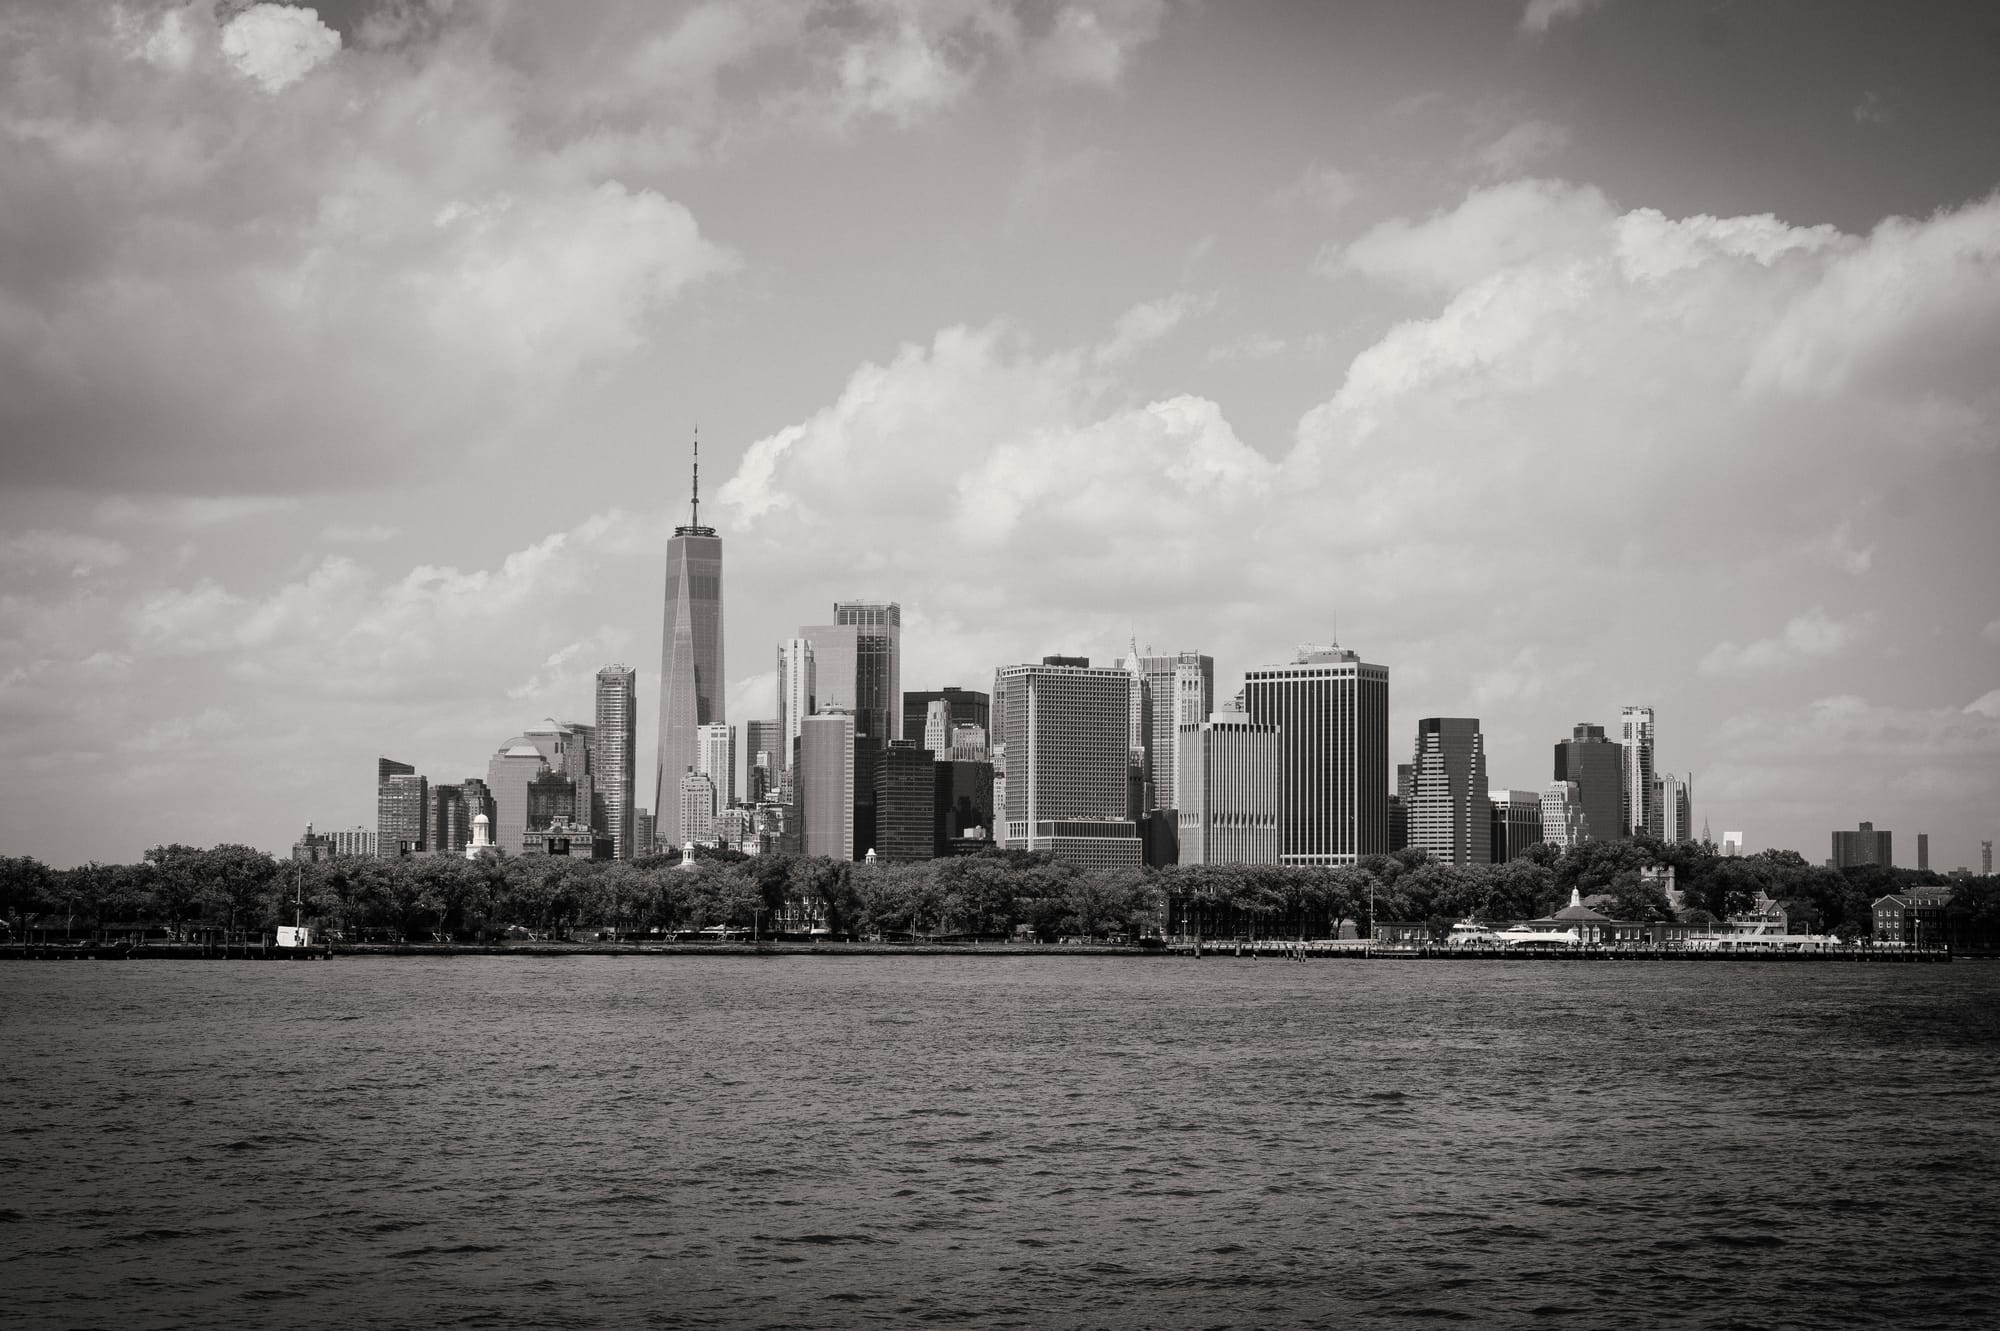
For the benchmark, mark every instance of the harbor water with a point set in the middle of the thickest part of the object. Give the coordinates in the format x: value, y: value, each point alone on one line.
x: 997, y: 1142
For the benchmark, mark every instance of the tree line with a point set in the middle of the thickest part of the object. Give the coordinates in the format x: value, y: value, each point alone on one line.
x: 239, y: 891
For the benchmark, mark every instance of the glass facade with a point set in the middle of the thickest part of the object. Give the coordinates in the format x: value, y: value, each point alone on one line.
x: 616, y: 757
x: 1597, y: 766
x: 878, y: 665
x: 1449, y: 811
x: 1332, y: 714
x: 691, y: 681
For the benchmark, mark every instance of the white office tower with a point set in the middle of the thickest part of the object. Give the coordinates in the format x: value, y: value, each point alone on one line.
x: 823, y: 785
x: 1063, y: 761
x: 1563, y: 823
x: 937, y: 726
x: 1450, y: 813
x: 1639, y: 806
x: 797, y: 696
x: 715, y: 758
x: 697, y: 809
x: 1229, y: 785
x: 1676, y: 808
x: 1179, y: 691
x: 1332, y: 713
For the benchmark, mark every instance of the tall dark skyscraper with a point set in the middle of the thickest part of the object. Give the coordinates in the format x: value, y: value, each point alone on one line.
x: 690, y: 657
x: 1597, y: 766
x: 617, y: 754
x: 878, y: 666
x: 1332, y: 713
x: 968, y: 707
x: 1450, y: 811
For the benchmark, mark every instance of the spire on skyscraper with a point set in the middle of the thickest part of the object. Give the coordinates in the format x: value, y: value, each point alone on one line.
x: 694, y: 527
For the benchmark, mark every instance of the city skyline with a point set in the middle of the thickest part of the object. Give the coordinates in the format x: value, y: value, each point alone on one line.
x: 1474, y: 325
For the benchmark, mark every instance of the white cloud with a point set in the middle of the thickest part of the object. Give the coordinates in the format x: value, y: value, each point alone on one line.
x: 1808, y: 637
x: 274, y: 45
x: 1092, y: 42
x: 1326, y: 190
x: 1541, y: 15
x: 1493, y: 229
x: 1986, y: 705
x: 1842, y: 758
x: 1523, y: 144
x: 189, y: 512
x: 342, y: 533
x: 1148, y: 322
x: 38, y: 548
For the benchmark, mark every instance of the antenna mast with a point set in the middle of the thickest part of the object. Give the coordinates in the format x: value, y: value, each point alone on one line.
x: 694, y: 517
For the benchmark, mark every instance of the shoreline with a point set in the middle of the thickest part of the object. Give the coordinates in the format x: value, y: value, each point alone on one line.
x: 1226, y: 951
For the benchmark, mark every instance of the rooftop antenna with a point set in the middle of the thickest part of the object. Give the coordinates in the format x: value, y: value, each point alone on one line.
x: 694, y: 517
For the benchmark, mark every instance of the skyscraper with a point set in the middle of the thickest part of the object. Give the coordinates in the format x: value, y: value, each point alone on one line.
x: 907, y: 805
x: 1923, y: 850
x: 1332, y: 711
x: 878, y: 666
x: 617, y: 754
x: 1517, y: 822
x: 402, y: 813
x: 1180, y: 691
x: 508, y: 774
x: 1986, y: 859
x: 936, y: 733
x: 697, y: 811
x: 1067, y: 732
x: 823, y: 784
x: 1863, y: 846
x: 1228, y: 778
x: 761, y: 749
x: 1563, y: 822
x: 798, y: 695
x: 1676, y: 807
x: 1597, y: 766
x: 966, y: 707
x: 1450, y: 813
x: 1638, y: 812
x: 690, y: 656
x: 451, y: 820
x: 715, y: 758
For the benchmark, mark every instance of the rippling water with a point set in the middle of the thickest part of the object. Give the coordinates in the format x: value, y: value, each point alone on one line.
x: 1000, y: 1142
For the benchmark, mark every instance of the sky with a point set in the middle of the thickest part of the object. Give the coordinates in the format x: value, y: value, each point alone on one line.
x: 1559, y: 355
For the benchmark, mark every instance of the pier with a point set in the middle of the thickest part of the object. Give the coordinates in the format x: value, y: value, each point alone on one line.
x: 1279, y: 949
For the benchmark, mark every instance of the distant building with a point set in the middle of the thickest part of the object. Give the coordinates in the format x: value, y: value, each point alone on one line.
x: 451, y: 820
x: 907, y: 812
x: 798, y: 684
x: 1563, y: 820
x: 1676, y: 795
x: 1732, y: 844
x: 878, y: 666
x: 1399, y: 808
x: 968, y: 744
x: 644, y: 841
x: 715, y: 758
x: 354, y: 841
x: 966, y: 707
x: 823, y: 785
x: 1597, y: 767
x: 966, y: 790
x: 1228, y: 777
x: 617, y: 765
x: 553, y: 798
x: 936, y: 731
x: 1986, y: 859
x: 691, y: 657
x: 1332, y: 713
x: 1640, y: 813
x: 402, y: 815
x: 312, y: 847
x: 1863, y: 846
x: 1515, y: 825
x: 698, y: 809
x: 508, y: 774
x: 1914, y: 917
x: 762, y: 742
x: 1093, y: 843
x: 1066, y: 730
x: 1449, y: 811
x: 1179, y: 691
x: 1923, y: 850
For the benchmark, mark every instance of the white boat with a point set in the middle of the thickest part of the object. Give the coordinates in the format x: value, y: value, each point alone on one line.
x: 1521, y: 935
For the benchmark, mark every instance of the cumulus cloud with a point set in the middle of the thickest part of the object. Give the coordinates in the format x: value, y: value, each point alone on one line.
x: 1811, y: 636
x: 1520, y: 146
x: 1541, y: 15
x: 1147, y: 323
x: 1492, y: 229
x: 273, y: 45
x: 1092, y: 43
x: 82, y: 554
